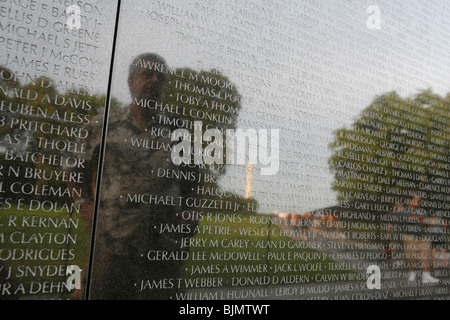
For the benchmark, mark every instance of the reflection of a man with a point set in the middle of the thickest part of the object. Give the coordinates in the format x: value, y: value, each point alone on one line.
x: 417, y: 245
x: 132, y: 257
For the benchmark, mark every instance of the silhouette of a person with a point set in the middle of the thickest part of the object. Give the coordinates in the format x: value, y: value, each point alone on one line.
x: 133, y: 258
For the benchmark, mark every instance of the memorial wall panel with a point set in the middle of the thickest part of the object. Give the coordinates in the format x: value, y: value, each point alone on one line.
x: 54, y: 72
x: 250, y: 150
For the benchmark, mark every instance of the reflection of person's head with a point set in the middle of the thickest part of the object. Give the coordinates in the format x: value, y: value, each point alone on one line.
x: 147, y: 76
x: 415, y: 202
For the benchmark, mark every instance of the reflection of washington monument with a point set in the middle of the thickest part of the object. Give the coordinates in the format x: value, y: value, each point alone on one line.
x: 249, y: 181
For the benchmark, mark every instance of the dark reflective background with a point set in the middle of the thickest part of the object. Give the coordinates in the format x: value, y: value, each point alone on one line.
x: 339, y: 192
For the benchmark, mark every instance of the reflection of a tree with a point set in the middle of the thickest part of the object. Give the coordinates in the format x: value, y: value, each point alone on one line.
x: 395, y: 149
x: 39, y: 126
x: 216, y: 104
x: 48, y: 118
x: 209, y: 97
